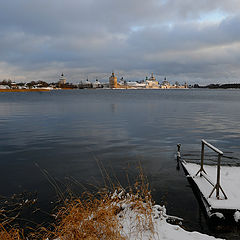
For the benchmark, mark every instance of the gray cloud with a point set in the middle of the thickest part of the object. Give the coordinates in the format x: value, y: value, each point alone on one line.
x: 185, y: 40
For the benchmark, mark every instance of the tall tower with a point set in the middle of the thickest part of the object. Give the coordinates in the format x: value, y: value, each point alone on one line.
x: 62, y: 80
x: 152, y: 78
x: 113, y: 81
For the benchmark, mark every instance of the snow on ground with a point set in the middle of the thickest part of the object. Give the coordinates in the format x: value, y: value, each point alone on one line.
x: 132, y: 229
x: 237, y: 216
x: 229, y: 180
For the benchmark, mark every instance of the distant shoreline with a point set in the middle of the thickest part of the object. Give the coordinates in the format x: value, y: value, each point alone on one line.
x: 48, y: 90
x: 24, y: 90
x: 32, y: 90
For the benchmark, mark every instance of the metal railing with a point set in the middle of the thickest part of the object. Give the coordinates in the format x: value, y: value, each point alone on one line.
x: 203, y: 173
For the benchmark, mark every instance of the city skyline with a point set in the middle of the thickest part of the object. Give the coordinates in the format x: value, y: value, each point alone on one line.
x: 187, y: 41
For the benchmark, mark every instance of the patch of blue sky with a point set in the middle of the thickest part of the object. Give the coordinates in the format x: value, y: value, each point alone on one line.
x: 168, y: 25
x: 213, y: 17
x: 137, y: 28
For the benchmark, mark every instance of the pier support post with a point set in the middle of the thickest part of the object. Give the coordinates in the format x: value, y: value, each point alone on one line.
x: 202, y: 159
x: 178, y: 152
x: 178, y: 147
x: 218, y: 176
x: 218, y: 186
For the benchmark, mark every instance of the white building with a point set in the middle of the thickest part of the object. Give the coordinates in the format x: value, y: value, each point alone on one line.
x: 62, y: 80
x: 97, y: 84
x: 136, y: 85
x: 152, y: 82
x: 4, y: 87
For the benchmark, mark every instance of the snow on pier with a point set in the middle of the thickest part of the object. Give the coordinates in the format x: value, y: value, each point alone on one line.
x: 230, y: 182
x: 219, y: 186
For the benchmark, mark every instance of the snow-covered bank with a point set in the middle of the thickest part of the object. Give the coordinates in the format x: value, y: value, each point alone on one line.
x: 161, y: 229
x: 135, y: 226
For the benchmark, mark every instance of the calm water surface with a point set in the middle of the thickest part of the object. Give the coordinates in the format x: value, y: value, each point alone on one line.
x: 65, y: 132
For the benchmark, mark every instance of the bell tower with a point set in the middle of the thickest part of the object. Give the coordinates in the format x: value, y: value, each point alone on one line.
x: 62, y: 80
x: 113, y: 81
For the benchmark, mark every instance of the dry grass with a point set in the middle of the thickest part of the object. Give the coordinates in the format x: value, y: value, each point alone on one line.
x: 97, y: 216
x: 95, y: 219
x: 12, y: 234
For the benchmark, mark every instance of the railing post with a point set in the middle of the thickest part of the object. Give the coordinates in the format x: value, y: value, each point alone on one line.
x: 217, y: 186
x: 218, y: 175
x: 202, y: 157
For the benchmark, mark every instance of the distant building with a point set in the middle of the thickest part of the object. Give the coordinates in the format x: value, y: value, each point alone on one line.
x: 152, y: 82
x: 152, y: 78
x: 136, y: 85
x: 4, y: 87
x: 62, y: 80
x: 85, y: 84
x: 149, y: 83
x: 122, y: 82
x: 113, y: 81
x: 165, y: 84
x: 14, y: 85
x: 97, y: 84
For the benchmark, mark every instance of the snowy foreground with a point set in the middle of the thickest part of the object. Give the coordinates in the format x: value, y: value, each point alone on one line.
x: 139, y: 219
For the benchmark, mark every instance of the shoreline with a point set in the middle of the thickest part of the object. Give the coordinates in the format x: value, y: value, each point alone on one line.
x: 34, y: 90
x: 47, y: 90
x: 25, y: 90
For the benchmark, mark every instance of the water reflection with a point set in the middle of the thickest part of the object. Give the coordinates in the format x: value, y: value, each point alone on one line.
x: 64, y: 130
x: 113, y: 107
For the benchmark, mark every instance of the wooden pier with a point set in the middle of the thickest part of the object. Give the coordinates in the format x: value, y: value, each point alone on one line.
x: 218, y: 186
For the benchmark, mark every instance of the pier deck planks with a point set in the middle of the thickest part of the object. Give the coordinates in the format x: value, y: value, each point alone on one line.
x: 230, y: 182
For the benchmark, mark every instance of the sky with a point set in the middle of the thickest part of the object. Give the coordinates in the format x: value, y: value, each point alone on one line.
x: 184, y: 40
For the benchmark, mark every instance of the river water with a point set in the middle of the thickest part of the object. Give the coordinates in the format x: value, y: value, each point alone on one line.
x: 68, y: 132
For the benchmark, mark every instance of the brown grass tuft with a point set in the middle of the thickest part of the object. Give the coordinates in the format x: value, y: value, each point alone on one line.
x: 12, y: 234
x: 99, y: 216
x: 88, y: 219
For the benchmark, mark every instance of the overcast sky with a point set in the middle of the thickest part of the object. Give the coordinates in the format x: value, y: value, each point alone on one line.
x: 184, y: 40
